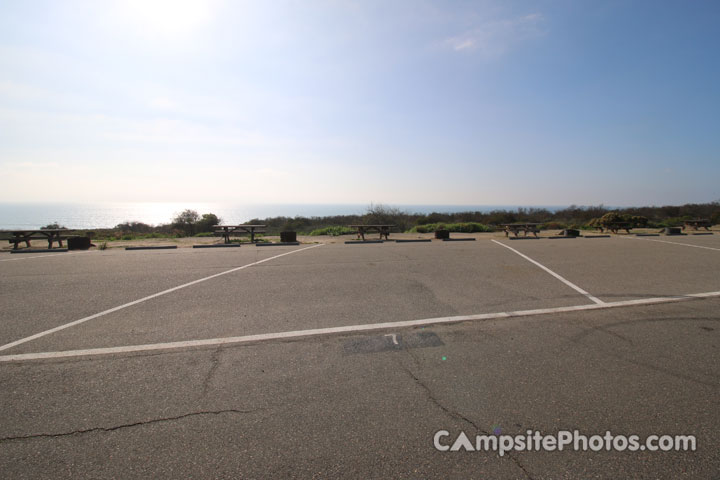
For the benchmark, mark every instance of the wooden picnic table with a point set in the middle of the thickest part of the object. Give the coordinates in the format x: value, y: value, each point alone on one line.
x: 515, y: 228
x: 226, y: 231
x: 383, y: 230
x: 698, y: 223
x: 614, y: 227
x: 49, y: 234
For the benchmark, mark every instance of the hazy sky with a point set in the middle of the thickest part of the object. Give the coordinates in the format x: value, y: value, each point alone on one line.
x: 398, y: 102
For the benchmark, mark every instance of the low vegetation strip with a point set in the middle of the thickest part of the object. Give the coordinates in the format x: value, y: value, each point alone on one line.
x: 189, y: 223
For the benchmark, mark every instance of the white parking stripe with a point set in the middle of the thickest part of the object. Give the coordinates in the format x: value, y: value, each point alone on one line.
x: 674, y: 243
x: 144, y: 299
x: 348, y: 329
x: 25, y: 256
x: 566, y: 282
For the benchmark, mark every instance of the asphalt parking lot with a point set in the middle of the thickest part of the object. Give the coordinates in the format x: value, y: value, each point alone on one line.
x: 345, y: 360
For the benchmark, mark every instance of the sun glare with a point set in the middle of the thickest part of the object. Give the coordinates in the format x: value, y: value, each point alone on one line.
x: 170, y: 17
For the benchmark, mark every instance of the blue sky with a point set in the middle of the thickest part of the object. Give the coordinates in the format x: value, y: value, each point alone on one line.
x: 396, y: 102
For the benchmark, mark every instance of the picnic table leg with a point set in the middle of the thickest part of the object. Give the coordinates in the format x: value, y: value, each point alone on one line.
x: 252, y: 235
x: 54, y: 237
x: 226, y: 237
x: 18, y: 240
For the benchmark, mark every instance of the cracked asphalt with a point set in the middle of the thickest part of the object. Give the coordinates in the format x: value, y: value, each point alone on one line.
x: 360, y: 404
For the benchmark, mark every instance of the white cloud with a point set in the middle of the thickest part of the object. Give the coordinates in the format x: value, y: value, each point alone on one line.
x: 494, y: 38
x: 17, y: 91
x: 463, y: 43
x: 168, y: 17
x: 163, y: 103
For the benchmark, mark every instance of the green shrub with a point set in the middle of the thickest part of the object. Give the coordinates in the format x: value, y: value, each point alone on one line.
x: 134, y: 227
x: 467, y: 227
x: 55, y: 226
x: 143, y: 236
x: 243, y: 239
x: 205, y: 234
x: 639, y: 221
x: 379, y: 214
x: 670, y: 222
x: 207, y: 222
x: 190, y: 222
x: 186, y: 221
x: 611, y: 217
x: 715, y: 218
x: 333, y: 231
x: 428, y: 228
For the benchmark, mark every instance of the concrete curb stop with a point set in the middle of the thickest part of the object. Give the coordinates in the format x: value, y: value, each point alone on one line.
x: 40, y: 250
x: 279, y: 244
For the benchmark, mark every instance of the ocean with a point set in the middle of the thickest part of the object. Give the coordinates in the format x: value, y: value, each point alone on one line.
x: 108, y: 215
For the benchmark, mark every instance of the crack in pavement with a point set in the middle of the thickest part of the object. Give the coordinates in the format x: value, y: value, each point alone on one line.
x: 214, y: 364
x: 453, y: 413
x: 126, y: 425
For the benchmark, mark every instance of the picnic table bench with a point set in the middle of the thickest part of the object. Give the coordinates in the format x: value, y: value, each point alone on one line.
x: 383, y: 230
x: 614, y: 227
x: 50, y: 234
x: 226, y: 231
x: 698, y: 223
x: 515, y: 228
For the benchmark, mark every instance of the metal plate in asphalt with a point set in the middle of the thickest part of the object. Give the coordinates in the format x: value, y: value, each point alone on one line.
x: 392, y: 341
